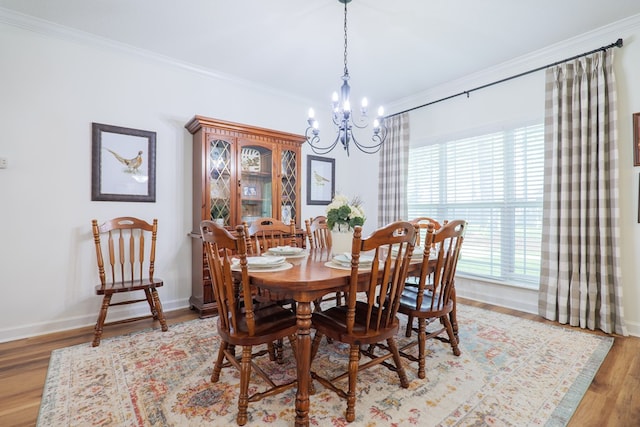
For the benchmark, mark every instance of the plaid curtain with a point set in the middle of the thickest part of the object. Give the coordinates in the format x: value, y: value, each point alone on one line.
x: 394, y: 162
x: 580, y: 274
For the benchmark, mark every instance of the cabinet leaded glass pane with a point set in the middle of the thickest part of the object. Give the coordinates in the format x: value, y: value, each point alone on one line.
x: 220, y: 180
x: 289, y: 179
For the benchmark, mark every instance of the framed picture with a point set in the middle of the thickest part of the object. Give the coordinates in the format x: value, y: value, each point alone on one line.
x: 636, y: 139
x: 123, y: 164
x: 249, y: 191
x: 321, y: 177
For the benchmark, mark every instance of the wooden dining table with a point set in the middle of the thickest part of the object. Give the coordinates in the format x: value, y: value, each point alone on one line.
x: 308, y: 280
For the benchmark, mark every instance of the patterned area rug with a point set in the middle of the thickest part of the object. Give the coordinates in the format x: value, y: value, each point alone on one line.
x: 512, y: 372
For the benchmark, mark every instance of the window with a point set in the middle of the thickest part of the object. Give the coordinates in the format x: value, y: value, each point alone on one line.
x: 495, y: 182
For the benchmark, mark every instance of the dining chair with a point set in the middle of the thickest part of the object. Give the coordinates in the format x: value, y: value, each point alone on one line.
x: 319, y: 237
x: 423, y: 222
x: 242, y: 321
x: 318, y: 233
x: 370, y: 318
x: 266, y: 232
x: 433, y: 301
x: 130, y: 245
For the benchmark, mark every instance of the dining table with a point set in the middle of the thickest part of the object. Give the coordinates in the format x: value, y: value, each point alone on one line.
x: 311, y: 276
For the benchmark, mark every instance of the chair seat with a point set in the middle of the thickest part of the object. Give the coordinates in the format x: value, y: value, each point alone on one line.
x: 272, y: 322
x: 409, y: 299
x: 333, y: 324
x: 128, y: 286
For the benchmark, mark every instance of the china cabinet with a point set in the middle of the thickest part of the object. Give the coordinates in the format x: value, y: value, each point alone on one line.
x: 240, y: 173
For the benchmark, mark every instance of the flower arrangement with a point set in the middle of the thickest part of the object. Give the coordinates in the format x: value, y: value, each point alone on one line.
x: 343, y: 215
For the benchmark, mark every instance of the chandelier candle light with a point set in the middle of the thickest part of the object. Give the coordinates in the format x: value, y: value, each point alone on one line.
x: 343, y: 117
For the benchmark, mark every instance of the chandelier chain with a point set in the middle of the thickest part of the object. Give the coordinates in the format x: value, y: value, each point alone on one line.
x: 346, y: 71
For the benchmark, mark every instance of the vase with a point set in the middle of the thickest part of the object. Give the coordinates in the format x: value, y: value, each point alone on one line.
x: 341, y: 241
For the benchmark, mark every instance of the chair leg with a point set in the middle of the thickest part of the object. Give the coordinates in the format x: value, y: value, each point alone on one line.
x: 404, y: 382
x: 245, y: 373
x: 159, y: 314
x: 409, y: 326
x: 422, y: 339
x: 315, y: 344
x: 354, y: 357
x: 453, y: 340
x: 217, y: 366
x: 154, y: 312
x: 97, y: 334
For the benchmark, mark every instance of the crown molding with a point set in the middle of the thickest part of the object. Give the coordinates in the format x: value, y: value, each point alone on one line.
x: 50, y: 29
x: 540, y: 58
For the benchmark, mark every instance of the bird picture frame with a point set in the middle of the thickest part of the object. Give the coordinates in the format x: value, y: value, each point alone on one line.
x: 321, y: 180
x: 123, y: 164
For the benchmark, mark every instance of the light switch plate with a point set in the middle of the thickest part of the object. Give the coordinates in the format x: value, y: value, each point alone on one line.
x: 4, y: 163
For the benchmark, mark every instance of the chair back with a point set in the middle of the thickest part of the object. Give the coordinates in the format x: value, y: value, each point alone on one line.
x: 423, y: 222
x: 388, y: 273
x: 220, y: 246
x: 266, y: 233
x: 436, y: 295
x: 130, y: 244
x: 318, y: 232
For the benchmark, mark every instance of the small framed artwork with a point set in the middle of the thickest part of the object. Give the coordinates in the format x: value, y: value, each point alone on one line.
x: 249, y: 191
x: 636, y: 139
x: 123, y: 164
x: 321, y: 176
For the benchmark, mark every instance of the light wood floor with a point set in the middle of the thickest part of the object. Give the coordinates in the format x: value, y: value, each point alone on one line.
x: 613, y: 399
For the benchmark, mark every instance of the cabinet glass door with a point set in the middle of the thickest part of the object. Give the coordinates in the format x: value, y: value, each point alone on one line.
x: 256, y: 186
x: 219, y: 165
x: 289, y: 187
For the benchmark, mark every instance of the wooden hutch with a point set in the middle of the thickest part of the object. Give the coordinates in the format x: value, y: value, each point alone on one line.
x: 240, y: 173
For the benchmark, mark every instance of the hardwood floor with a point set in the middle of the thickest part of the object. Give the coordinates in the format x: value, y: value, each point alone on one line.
x: 613, y: 399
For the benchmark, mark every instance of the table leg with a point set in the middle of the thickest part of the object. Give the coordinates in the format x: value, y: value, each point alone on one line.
x: 303, y: 313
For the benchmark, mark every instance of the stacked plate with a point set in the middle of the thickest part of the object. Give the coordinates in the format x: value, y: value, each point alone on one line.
x: 262, y: 262
x: 285, y: 250
x: 344, y: 260
x: 418, y: 251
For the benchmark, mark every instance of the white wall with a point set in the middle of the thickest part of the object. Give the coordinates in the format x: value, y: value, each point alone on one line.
x: 51, y: 89
x: 54, y: 85
x: 522, y: 99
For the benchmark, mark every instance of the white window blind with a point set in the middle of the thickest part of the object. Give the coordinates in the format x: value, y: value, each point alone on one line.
x: 495, y: 183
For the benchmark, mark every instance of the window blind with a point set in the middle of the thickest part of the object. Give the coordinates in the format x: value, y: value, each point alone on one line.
x: 493, y: 181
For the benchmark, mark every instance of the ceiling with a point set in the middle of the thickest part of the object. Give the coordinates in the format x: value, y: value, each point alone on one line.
x: 396, y: 48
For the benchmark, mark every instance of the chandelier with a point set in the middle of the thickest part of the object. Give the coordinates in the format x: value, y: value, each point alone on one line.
x: 343, y: 118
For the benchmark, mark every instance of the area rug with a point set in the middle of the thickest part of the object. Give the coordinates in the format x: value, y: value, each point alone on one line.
x: 512, y: 372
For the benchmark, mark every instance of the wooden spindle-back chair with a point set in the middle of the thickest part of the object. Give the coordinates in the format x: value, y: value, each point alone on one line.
x: 371, y: 319
x: 130, y: 245
x: 242, y: 321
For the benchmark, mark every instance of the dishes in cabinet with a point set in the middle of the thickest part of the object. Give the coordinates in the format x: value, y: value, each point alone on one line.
x: 250, y: 160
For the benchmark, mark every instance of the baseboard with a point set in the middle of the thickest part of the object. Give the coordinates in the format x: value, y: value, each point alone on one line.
x: 510, y: 296
x: 65, y: 324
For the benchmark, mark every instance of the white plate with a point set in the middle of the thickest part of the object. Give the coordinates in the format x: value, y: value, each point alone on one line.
x: 270, y: 269
x: 417, y: 252
x: 262, y: 261
x: 286, y: 250
x: 345, y: 260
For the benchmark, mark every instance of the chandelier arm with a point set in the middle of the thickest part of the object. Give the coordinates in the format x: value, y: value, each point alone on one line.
x: 378, y: 139
x: 313, y: 139
x: 362, y: 125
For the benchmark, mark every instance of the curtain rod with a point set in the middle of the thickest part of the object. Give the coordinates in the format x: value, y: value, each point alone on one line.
x: 617, y: 43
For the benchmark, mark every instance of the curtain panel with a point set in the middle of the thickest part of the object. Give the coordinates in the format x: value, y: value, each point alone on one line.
x: 394, y: 162
x: 580, y: 274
